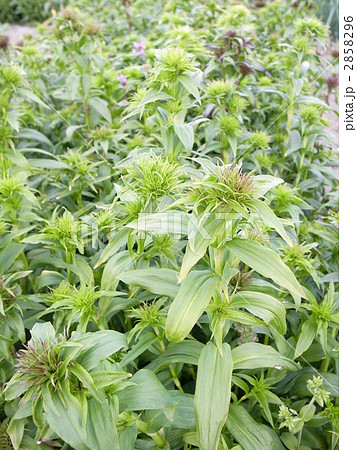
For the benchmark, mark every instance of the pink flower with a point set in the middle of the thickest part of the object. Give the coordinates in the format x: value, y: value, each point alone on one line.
x: 122, y: 79
x: 139, y: 48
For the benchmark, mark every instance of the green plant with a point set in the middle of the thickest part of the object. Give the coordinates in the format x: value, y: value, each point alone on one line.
x: 169, y: 229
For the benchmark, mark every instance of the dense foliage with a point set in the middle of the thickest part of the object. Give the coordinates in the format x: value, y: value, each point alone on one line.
x: 169, y: 237
x: 14, y: 11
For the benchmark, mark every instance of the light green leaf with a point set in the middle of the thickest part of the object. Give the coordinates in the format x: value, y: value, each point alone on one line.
x: 272, y: 311
x: 266, y: 262
x: 263, y: 184
x: 147, y: 393
x: 295, y: 142
x: 114, y: 245
x: 157, y: 281
x: 212, y: 394
x: 190, y: 85
x: 16, y: 431
x: 258, y: 356
x: 29, y: 133
x: 101, y: 107
x: 174, y: 222
x: 101, y: 426
x: 117, y: 265
x: 30, y: 95
x: 143, y: 343
x: 270, y: 219
x: 153, y: 95
x: 191, y: 300
x: 86, y: 380
x: 306, y: 337
x: 65, y: 418
x: 246, y: 431
x: 187, y: 351
x: 200, y: 238
x: 101, y: 345
x: 186, y: 135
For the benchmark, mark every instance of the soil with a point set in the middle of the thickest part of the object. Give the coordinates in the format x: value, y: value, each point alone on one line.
x: 16, y: 33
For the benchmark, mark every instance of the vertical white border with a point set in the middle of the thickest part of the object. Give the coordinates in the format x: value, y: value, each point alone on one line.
x: 348, y: 247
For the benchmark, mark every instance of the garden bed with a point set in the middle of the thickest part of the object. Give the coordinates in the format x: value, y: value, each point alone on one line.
x: 169, y: 228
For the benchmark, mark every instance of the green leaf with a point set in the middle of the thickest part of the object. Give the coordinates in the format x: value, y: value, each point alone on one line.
x: 65, y: 418
x: 174, y: 222
x: 144, y: 342
x: 101, y: 426
x: 307, y: 412
x: 116, y: 266
x: 258, y: 356
x: 101, y: 345
x: 212, y: 394
x: 266, y: 262
x: 114, y: 245
x: 29, y: 133
x: 289, y: 440
x: 16, y: 431
x: 206, y: 232
x: 147, y: 393
x: 8, y: 255
x: 29, y: 94
x: 186, y: 135
x: 295, y: 141
x: 270, y: 219
x: 47, y: 163
x: 43, y: 331
x: 306, y: 99
x: 184, y: 416
x: 83, y: 270
x: 190, y: 85
x: 191, y: 300
x: 158, y: 281
x: 306, y: 337
x: 101, y: 107
x: 248, y: 433
x: 263, y: 183
x: 127, y: 437
x: 153, y: 95
x: 265, y: 306
x: 243, y: 317
x: 86, y: 380
x: 180, y: 352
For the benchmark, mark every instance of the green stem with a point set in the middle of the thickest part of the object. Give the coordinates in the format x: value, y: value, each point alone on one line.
x: 218, y: 260
x: 68, y: 261
x: 172, y: 370
x: 156, y: 437
x: 299, y: 439
x: 326, y: 361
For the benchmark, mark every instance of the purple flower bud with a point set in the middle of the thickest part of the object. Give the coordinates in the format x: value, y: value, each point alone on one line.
x: 139, y: 48
x: 122, y: 79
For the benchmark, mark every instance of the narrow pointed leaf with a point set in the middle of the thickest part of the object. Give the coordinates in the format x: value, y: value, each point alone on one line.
x: 306, y: 337
x: 246, y: 431
x: 191, y: 300
x: 258, y: 356
x: 212, y: 395
x: 265, y: 306
x: 270, y: 219
x: 266, y: 262
x: 157, y: 281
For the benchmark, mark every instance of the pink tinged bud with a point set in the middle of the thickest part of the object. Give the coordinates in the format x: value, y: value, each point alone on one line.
x: 122, y: 80
x: 139, y: 48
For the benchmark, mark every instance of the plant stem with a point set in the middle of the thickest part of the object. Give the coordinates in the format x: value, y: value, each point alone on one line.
x: 326, y: 361
x: 172, y: 370
x: 156, y: 437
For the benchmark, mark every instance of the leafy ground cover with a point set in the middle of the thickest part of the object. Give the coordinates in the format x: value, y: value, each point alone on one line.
x: 169, y: 237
